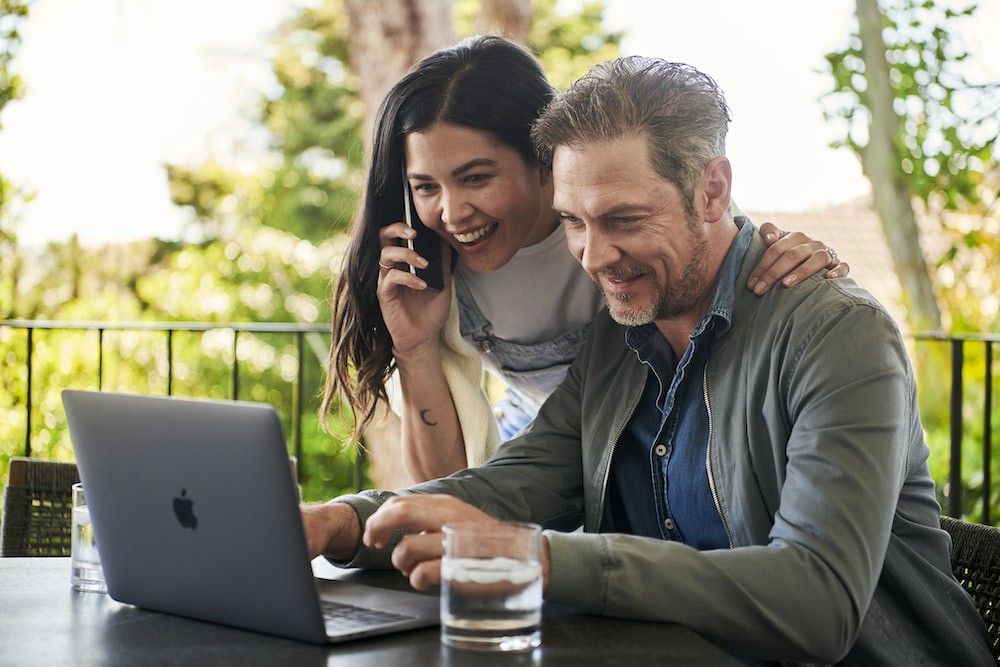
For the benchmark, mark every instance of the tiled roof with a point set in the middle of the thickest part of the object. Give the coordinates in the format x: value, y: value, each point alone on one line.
x: 854, y: 230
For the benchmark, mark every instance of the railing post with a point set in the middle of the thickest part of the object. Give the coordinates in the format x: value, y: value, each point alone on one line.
x: 100, y: 359
x: 955, y: 466
x: 297, y: 392
x: 27, y: 395
x: 987, y: 432
x: 236, y: 366
x: 170, y: 362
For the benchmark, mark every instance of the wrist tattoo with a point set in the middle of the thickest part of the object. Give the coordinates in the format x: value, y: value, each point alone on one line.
x: 425, y: 419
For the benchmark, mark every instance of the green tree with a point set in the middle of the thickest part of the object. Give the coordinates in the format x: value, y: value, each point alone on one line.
x: 12, y: 15
x: 927, y: 140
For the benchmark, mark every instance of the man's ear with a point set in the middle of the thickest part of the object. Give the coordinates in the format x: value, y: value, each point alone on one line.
x: 716, y: 188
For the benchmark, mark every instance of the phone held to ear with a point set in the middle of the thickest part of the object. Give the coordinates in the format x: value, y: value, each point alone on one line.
x: 427, y: 243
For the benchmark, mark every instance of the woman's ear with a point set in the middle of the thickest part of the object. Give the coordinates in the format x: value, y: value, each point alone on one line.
x: 717, y: 180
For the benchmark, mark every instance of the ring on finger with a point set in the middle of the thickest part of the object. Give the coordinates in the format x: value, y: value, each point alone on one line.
x: 834, y: 258
x: 384, y: 266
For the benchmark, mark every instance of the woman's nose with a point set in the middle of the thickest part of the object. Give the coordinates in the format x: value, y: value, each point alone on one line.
x: 455, y: 208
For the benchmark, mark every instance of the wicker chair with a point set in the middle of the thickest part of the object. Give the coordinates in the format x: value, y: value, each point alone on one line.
x: 37, y: 508
x: 975, y: 559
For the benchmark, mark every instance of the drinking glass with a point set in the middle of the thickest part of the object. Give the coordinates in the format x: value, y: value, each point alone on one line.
x: 87, y: 573
x: 491, y: 588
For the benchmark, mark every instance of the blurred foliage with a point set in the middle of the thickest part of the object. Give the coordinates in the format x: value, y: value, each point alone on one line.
x: 949, y: 125
x: 12, y: 199
x: 12, y: 15
x: 932, y: 359
x: 948, y: 151
x: 151, y: 282
x: 567, y: 46
x: 271, y: 241
x: 947, y: 146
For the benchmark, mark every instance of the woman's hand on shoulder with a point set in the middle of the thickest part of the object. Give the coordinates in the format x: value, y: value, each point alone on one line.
x: 791, y: 258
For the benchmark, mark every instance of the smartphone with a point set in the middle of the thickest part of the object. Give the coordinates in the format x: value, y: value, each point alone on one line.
x: 427, y: 243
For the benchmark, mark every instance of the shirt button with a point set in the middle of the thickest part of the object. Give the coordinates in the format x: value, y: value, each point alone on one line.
x: 486, y: 346
x: 661, y: 450
x: 668, y: 524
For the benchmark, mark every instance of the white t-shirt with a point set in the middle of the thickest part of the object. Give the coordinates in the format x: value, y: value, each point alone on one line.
x: 541, y: 293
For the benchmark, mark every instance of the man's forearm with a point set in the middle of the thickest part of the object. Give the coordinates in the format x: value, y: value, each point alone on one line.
x: 332, y: 530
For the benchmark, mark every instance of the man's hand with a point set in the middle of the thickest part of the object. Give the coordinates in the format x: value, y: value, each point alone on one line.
x: 418, y: 555
x: 332, y: 529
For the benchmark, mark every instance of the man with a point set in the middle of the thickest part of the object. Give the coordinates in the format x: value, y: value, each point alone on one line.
x: 752, y: 467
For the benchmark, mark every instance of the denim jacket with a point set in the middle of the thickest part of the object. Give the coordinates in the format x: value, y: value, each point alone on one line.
x: 818, y: 469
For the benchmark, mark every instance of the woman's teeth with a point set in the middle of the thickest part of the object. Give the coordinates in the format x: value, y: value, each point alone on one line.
x: 475, y: 235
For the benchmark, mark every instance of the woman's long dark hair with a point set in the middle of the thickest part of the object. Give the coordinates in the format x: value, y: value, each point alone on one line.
x: 483, y: 83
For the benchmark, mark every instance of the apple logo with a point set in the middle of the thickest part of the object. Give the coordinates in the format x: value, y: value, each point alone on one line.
x: 184, y: 509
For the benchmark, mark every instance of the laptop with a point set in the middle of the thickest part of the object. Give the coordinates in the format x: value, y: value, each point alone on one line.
x: 195, y: 513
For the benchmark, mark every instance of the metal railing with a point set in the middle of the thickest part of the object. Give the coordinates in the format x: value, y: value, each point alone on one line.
x: 298, y: 331
x: 957, y: 342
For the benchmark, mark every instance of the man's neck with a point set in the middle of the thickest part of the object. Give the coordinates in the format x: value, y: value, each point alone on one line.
x: 677, y: 330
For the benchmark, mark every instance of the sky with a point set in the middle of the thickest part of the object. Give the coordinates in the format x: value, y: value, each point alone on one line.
x: 117, y: 88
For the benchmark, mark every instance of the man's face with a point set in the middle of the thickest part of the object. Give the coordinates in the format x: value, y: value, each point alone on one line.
x: 629, y: 230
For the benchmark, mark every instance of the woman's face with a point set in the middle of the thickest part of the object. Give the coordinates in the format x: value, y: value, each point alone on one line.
x: 478, y: 193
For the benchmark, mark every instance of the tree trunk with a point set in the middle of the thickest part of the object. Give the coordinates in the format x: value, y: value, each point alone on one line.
x: 880, y: 161
x: 385, y: 39
x: 507, y: 18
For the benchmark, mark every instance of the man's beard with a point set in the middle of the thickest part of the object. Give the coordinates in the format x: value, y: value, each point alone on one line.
x: 669, y: 300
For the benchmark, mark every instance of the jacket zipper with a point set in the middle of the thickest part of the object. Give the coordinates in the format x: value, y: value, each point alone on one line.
x: 614, y: 445
x: 708, y: 458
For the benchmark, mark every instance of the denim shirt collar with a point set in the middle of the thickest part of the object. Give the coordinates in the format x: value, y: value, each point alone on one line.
x: 721, y: 309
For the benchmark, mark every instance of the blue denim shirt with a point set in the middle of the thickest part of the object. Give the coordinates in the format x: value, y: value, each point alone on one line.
x: 659, y: 470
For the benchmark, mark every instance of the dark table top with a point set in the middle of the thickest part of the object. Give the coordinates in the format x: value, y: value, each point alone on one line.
x: 44, y: 622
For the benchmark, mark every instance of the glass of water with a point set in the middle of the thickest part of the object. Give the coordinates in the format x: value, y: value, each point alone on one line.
x: 87, y: 573
x: 491, y: 586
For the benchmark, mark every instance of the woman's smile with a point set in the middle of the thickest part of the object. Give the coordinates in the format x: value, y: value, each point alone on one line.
x: 473, y: 237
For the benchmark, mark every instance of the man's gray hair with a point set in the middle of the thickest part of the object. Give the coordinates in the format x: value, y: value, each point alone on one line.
x: 682, y: 111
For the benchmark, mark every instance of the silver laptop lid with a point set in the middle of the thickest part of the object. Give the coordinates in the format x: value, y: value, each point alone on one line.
x: 194, y: 509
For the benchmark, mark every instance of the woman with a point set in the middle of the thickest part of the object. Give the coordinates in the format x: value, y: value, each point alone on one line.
x: 514, y: 299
